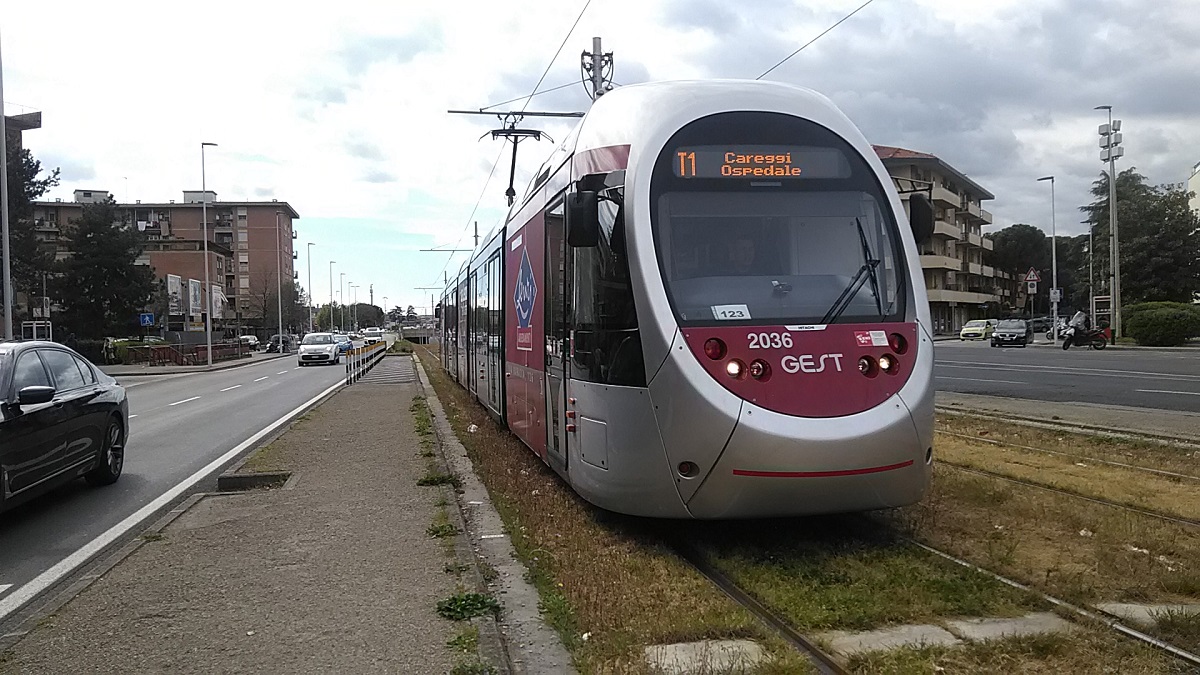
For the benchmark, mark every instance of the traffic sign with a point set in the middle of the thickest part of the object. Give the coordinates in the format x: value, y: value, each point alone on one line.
x: 1055, y: 295
x: 1032, y: 275
x: 146, y: 319
x: 1031, y: 287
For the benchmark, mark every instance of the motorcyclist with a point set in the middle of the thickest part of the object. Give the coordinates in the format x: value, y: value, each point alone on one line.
x: 1081, y: 321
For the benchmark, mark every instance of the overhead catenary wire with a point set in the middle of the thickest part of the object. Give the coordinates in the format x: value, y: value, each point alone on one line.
x: 806, y: 44
x: 514, y: 100
x: 533, y: 93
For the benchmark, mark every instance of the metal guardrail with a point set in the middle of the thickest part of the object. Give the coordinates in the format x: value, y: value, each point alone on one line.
x: 360, y: 360
x: 183, y: 355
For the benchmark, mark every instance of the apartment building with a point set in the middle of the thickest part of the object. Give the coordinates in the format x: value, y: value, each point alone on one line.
x: 249, y: 242
x: 959, y: 285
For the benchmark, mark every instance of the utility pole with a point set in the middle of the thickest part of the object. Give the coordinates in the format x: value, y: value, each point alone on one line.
x: 598, y: 68
x: 477, y: 234
x: 8, y: 289
x: 279, y: 279
x: 1110, y: 144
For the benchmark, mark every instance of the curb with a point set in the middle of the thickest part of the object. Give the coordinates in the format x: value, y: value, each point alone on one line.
x: 526, y: 642
x: 236, y: 482
x: 29, y: 618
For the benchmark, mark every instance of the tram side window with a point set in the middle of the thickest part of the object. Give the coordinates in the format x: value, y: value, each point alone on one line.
x: 607, y: 346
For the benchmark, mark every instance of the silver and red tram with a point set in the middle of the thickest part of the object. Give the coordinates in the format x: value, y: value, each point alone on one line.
x: 708, y: 305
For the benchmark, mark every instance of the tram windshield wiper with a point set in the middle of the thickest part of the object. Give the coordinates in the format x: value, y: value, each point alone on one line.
x: 865, y: 273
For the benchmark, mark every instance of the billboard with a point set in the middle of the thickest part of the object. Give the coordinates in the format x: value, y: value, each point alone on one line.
x: 218, y: 302
x: 195, y: 302
x: 174, y: 295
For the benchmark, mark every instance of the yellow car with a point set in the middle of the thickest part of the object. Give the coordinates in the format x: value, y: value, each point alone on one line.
x: 979, y: 329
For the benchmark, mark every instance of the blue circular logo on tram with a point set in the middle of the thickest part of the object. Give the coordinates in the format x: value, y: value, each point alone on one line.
x: 526, y: 293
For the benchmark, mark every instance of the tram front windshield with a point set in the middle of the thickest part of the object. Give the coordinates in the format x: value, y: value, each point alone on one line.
x: 795, y: 233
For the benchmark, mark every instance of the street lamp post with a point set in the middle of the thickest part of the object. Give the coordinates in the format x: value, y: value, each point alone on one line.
x: 1054, y: 290
x: 331, y: 262
x: 8, y: 289
x: 1091, y: 283
x: 342, y: 298
x: 385, y: 311
x: 354, y: 309
x: 279, y: 277
x: 1110, y: 142
x: 310, y: 300
x: 204, y: 236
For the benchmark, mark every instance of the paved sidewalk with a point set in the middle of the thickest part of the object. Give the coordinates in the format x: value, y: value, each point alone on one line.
x: 119, y: 370
x: 333, y: 573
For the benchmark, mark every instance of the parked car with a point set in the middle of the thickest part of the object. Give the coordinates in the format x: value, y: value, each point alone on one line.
x: 318, y: 348
x: 1012, y: 332
x: 250, y: 341
x: 1040, y: 324
x: 977, y: 329
x: 60, y: 418
x: 344, y: 342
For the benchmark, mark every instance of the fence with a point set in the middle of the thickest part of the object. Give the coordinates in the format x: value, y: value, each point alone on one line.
x: 184, y: 355
x: 360, y: 360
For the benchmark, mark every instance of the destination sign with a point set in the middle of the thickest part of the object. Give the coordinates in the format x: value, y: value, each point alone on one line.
x: 760, y: 161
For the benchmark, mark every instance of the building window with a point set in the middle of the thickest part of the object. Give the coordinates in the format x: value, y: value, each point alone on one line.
x: 243, y: 246
x: 244, y: 267
x: 243, y: 282
x: 242, y: 234
x: 243, y: 257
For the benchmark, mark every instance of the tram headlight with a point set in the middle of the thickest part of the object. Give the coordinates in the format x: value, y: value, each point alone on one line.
x: 867, y: 366
x: 760, y: 370
x: 888, y: 364
x: 898, y: 343
x: 736, y: 369
x: 714, y: 349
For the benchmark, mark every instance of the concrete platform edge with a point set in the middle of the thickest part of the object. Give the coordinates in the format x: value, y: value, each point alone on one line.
x: 531, y: 646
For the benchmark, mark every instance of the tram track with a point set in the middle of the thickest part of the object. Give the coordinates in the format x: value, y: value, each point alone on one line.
x: 1190, y: 443
x: 1187, y: 522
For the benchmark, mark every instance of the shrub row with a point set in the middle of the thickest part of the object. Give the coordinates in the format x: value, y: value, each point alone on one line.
x: 1161, y: 324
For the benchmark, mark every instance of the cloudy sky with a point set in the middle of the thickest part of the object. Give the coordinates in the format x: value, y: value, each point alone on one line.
x: 342, y: 111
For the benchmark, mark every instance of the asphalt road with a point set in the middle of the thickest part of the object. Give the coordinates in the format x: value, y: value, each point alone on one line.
x: 1166, y: 380
x: 178, y: 425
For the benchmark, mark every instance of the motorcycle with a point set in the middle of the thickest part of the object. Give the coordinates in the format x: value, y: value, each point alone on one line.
x: 1093, y: 338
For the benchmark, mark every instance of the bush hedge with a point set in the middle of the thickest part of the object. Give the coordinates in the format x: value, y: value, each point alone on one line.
x: 1161, y: 324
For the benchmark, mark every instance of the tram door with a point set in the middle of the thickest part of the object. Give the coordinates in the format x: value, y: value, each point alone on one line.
x: 557, y: 292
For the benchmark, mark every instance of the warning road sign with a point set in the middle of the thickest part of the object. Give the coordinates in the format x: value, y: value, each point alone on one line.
x: 1032, y: 275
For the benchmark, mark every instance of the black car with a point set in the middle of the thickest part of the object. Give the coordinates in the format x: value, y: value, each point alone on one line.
x: 1040, y: 324
x: 60, y: 418
x: 1012, y: 332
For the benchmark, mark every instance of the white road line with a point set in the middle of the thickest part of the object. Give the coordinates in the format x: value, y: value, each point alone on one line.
x: 282, y: 372
x: 5, y: 587
x: 976, y: 379
x: 262, y: 378
x: 1164, y: 391
x: 1066, y: 370
x: 46, y: 579
x: 184, y: 400
x: 132, y: 416
x: 233, y: 387
x: 296, y: 368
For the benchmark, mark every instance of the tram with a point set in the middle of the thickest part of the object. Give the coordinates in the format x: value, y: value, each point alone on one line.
x: 708, y: 304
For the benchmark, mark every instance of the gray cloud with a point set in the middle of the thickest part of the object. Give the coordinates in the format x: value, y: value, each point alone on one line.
x: 379, y: 176
x: 70, y: 169
x: 325, y: 94
x: 361, y: 52
x: 363, y: 149
x: 263, y: 192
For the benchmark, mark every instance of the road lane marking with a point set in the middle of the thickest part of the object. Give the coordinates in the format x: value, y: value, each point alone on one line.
x: 976, y: 379
x: 184, y: 400
x: 296, y: 368
x: 1164, y: 391
x: 262, y: 378
x: 5, y: 587
x: 62, y: 568
x: 1066, y: 370
x: 233, y: 387
x: 132, y: 416
x: 282, y: 372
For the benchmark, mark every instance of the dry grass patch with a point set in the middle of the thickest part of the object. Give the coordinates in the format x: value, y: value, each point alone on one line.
x: 598, y: 574
x: 1153, y: 492
x: 1178, y: 459
x: 1066, y: 547
x: 1081, y: 653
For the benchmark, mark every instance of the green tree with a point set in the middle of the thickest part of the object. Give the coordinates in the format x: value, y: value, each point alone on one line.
x: 29, y: 260
x: 1160, y: 243
x: 100, y: 287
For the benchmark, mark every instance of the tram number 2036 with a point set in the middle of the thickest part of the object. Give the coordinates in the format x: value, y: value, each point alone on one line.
x: 770, y: 340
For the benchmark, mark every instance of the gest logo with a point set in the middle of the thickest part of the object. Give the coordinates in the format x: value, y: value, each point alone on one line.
x: 526, y: 292
x: 810, y: 363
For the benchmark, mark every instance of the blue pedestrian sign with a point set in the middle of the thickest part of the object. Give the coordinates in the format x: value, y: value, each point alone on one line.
x: 146, y: 319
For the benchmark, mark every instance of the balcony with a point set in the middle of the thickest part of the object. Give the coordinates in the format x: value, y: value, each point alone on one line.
x: 961, y: 297
x: 975, y: 240
x: 971, y: 208
x: 940, y: 262
x: 974, y: 268
x: 988, y: 271
x: 945, y: 229
x: 946, y: 197
x: 988, y: 243
x: 986, y: 216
